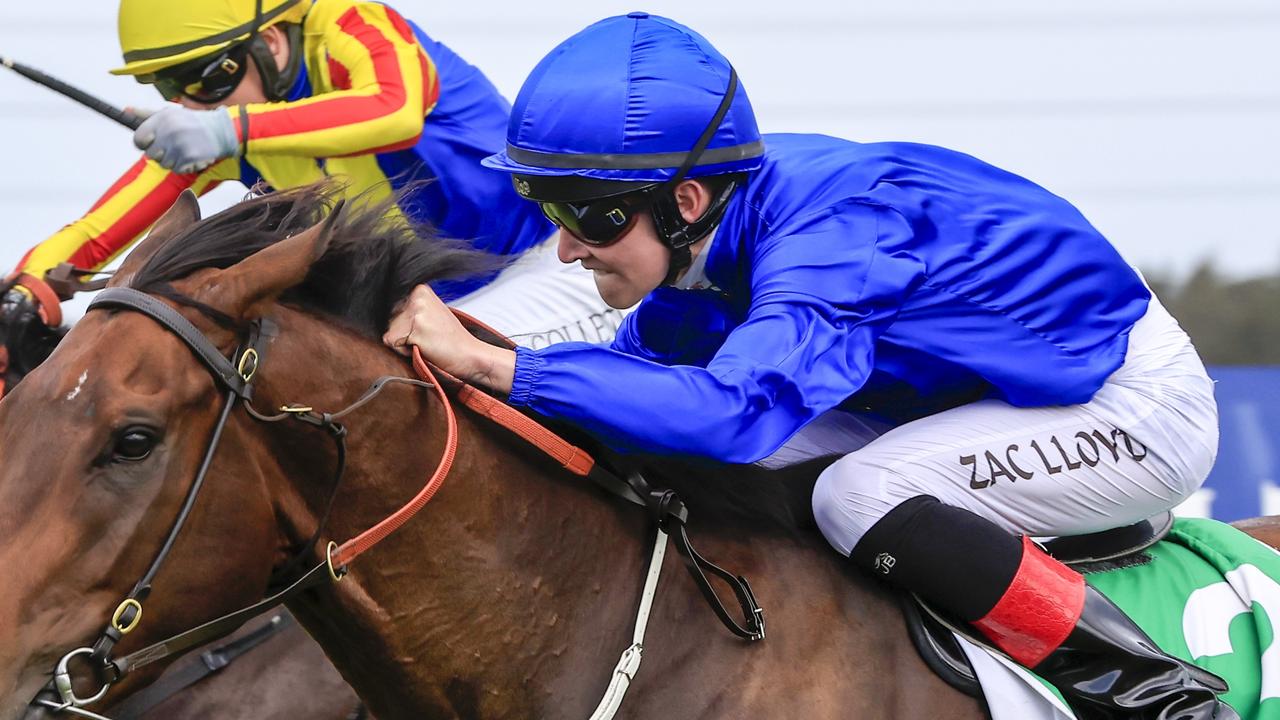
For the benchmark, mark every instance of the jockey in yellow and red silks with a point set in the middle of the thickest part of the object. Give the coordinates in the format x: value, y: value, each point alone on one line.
x: 289, y: 92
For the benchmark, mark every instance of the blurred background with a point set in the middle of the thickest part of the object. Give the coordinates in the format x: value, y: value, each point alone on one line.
x: 1160, y: 119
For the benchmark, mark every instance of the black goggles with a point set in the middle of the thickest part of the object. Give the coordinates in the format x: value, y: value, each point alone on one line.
x: 599, y: 222
x: 207, y: 80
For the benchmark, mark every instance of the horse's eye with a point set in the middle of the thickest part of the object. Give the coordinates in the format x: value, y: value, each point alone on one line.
x: 133, y: 445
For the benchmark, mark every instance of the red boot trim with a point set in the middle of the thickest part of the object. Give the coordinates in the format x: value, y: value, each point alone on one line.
x: 1038, y: 611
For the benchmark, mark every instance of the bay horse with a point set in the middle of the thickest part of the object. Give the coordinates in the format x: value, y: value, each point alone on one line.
x: 509, y: 596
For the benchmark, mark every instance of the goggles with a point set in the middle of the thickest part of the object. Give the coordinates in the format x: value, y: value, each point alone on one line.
x: 208, y: 80
x: 601, y: 222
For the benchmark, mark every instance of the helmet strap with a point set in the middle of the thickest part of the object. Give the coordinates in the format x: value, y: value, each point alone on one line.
x: 680, y: 235
x: 277, y: 82
x: 672, y: 229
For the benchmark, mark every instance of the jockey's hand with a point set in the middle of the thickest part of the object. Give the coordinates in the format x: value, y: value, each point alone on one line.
x: 187, y: 141
x: 426, y: 322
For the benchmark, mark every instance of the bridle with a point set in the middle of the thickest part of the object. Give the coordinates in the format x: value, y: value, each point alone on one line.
x: 235, y: 377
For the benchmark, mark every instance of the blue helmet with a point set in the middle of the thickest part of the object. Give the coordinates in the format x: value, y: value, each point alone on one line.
x: 628, y: 99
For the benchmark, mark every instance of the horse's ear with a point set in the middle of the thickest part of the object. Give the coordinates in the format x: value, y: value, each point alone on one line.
x: 244, y: 289
x: 184, y: 213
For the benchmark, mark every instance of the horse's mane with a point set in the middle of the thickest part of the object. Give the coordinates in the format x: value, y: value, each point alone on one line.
x: 374, y: 258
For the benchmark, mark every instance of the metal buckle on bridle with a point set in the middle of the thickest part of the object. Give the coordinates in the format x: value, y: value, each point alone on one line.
x: 248, y: 364
x: 335, y: 573
x: 63, y: 684
x: 124, y: 622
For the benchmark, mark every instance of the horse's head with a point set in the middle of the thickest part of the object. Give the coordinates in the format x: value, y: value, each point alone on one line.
x: 101, y: 444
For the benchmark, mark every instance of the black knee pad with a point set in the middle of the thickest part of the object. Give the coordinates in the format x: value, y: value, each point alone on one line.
x: 956, y: 560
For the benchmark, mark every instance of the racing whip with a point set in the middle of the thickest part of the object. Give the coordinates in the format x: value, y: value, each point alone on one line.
x: 125, y: 117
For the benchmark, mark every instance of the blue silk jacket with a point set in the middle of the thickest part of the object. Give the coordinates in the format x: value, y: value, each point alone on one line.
x: 844, y: 270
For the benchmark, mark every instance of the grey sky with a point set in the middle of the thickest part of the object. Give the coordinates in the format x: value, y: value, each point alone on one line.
x: 1160, y: 119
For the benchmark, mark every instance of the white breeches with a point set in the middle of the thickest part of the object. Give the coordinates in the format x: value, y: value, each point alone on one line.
x: 1144, y: 443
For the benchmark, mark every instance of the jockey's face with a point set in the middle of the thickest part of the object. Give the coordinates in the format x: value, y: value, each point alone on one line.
x: 634, y: 266
x: 626, y: 270
x: 250, y: 89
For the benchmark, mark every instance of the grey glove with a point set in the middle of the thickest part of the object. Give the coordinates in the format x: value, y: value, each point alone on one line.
x: 187, y: 141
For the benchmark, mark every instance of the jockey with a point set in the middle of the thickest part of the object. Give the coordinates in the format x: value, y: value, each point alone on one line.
x: 289, y: 92
x: 989, y: 367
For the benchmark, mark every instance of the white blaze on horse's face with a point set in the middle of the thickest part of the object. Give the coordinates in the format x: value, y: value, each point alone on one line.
x: 79, y: 385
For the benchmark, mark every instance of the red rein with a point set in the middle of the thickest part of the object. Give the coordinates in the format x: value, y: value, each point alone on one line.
x: 352, y: 548
x: 570, y: 457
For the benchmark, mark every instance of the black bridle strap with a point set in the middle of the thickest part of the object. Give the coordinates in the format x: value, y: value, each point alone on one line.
x: 321, y: 573
x: 239, y: 387
x: 219, y: 627
x: 211, y: 662
x: 127, y: 616
x: 228, y: 375
x: 237, y: 380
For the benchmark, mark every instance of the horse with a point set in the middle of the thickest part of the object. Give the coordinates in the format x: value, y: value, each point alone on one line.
x: 267, y: 670
x: 508, y: 596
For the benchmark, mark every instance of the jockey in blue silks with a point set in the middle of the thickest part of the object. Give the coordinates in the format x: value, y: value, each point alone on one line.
x: 984, y: 360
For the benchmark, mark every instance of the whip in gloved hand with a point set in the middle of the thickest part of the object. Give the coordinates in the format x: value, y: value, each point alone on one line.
x: 187, y: 141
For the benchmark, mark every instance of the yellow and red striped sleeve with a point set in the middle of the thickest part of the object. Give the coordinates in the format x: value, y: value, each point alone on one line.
x: 373, y: 82
x: 120, y: 216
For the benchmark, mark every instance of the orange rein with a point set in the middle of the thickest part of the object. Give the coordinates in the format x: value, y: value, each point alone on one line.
x: 352, y: 548
x: 570, y: 457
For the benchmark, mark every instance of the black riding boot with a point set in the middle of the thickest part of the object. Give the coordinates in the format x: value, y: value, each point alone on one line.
x: 1109, y: 668
x: 1038, y: 611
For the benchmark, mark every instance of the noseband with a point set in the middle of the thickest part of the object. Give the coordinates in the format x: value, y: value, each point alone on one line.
x: 235, y: 377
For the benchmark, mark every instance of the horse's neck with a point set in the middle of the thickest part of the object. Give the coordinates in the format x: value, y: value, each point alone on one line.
x: 514, y: 590
x: 494, y: 598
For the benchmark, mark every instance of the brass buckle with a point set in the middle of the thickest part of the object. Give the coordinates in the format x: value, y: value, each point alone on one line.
x: 119, y: 613
x: 248, y: 364
x: 339, y: 573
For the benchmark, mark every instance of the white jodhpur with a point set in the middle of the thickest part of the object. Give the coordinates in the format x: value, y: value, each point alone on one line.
x: 1144, y: 443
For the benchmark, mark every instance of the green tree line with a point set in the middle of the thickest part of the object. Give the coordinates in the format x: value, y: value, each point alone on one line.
x: 1231, y: 321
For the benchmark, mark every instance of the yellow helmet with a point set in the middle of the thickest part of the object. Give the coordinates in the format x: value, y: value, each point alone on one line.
x: 157, y: 34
